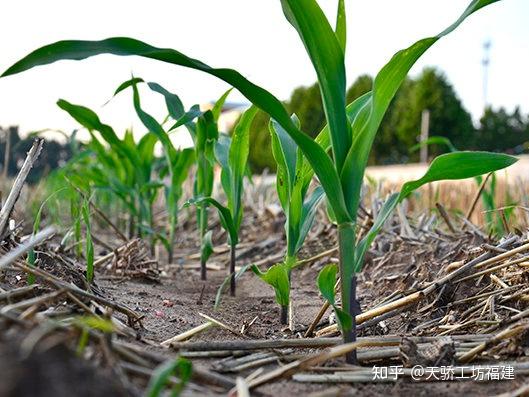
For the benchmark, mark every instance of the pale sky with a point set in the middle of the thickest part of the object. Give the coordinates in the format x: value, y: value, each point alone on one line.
x: 253, y: 37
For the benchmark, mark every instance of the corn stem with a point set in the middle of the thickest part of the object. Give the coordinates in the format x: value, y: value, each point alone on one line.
x: 232, y: 268
x: 346, y: 243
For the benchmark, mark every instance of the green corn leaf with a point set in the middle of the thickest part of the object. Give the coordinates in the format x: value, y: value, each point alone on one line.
x: 36, y: 226
x: 187, y: 119
x: 123, y: 46
x: 172, y: 101
x: 344, y: 319
x: 182, y: 162
x: 151, y: 186
x: 326, y: 281
x: 85, y: 211
x: 96, y: 323
x: 238, y: 159
x: 225, y: 284
x: 175, y: 107
x: 222, y: 154
x: 219, y: 105
x: 277, y: 277
x: 151, y: 124
x: 341, y: 25
x: 310, y: 208
x: 164, y: 372
x: 206, y: 136
x: 126, y: 84
x: 327, y: 56
x: 290, y: 188
x: 435, y: 140
x: 386, y: 84
x: 364, y: 244
x: 207, y: 247
x: 323, y: 138
x: 284, y: 150
x: 88, y: 119
x: 459, y: 165
x: 224, y: 214
x: 145, y: 151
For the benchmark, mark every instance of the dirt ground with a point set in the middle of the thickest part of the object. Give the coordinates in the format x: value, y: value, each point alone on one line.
x: 188, y: 297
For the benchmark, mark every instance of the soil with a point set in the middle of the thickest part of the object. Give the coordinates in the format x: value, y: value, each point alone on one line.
x: 256, y: 299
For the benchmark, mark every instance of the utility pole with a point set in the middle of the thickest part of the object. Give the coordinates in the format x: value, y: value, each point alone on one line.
x: 485, y: 63
x: 425, y: 131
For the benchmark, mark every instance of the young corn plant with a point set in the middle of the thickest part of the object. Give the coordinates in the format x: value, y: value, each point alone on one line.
x: 32, y: 257
x: 161, y: 378
x: 89, y: 245
x: 292, y: 185
x: 177, y: 162
x: 351, y: 130
x: 117, y: 166
x: 127, y: 168
x: 232, y: 155
x: 205, y: 135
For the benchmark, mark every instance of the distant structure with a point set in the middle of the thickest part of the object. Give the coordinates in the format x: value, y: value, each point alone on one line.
x: 485, y: 63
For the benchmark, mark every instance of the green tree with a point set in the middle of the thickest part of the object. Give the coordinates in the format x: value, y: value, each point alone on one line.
x: 502, y: 131
x: 306, y: 103
x: 361, y: 85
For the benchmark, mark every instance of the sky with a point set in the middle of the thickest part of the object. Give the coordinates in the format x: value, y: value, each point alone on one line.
x: 253, y: 37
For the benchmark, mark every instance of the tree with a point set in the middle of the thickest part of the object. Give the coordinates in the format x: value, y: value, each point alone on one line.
x: 502, y: 131
x: 361, y: 85
x: 306, y: 103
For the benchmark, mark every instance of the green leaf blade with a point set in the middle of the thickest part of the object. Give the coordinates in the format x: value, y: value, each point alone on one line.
x: 459, y: 165
x: 327, y: 57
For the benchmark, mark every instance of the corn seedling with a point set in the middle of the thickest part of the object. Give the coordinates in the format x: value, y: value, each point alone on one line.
x: 117, y: 166
x: 126, y: 168
x: 300, y: 208
x: 205, y: 135
x: 351, y: 130
x: 89, y: 245
x: 31, y: 260
x: 163, y: 377
x: 87, y: 324
x: 232, y: 155
x: 178, y: 162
